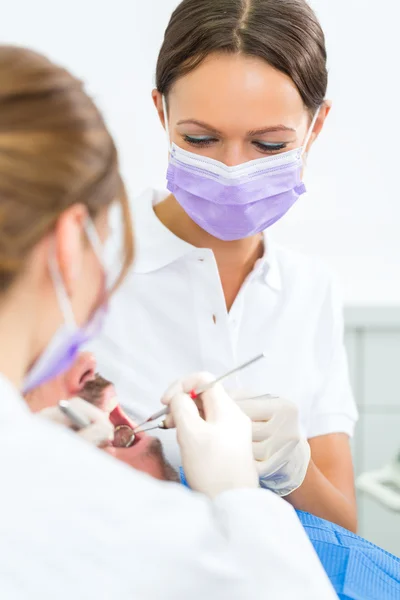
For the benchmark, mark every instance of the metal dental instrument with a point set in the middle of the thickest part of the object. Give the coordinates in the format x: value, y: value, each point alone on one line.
x: 77, y: 419
x: 123, y: 436
x: 195, y: 394
x: 150, y: 427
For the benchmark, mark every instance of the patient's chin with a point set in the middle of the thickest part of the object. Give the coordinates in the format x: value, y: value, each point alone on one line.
x: 147, y: 455
x: 156, y: 453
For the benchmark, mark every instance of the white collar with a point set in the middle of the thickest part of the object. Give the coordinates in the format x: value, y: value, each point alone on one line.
x: 157, y: 246
x: 272, y: 272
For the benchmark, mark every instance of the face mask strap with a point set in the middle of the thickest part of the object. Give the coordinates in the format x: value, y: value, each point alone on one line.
x: 94, y: 239
x: 61, y: 292
x: 310, y: 130
x: 164, y: 104
x: 98, y: 248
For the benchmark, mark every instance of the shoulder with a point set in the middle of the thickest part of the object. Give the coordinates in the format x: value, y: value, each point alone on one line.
x: 306, y: 275
x: 312, y: 289
x: 296, y: 266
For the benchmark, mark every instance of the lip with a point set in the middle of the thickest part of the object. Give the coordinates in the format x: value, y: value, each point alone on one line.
x: 118, y: 417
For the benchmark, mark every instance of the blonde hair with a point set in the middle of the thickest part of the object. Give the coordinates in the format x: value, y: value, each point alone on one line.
x: 55, y: 151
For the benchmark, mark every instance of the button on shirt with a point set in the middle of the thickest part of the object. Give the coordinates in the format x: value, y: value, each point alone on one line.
x: 169, y: 319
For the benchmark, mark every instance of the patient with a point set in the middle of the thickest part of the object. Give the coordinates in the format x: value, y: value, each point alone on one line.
x: 146, y: 454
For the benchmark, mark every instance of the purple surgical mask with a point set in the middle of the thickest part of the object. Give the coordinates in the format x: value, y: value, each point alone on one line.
x: 233, y: 203
x: 64, y: 347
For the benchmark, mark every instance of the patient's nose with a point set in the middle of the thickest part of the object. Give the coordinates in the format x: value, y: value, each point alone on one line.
x: 83, y: 370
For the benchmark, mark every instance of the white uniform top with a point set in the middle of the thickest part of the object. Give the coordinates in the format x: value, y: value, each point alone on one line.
x: 76, y: 524
x: 170, y: 319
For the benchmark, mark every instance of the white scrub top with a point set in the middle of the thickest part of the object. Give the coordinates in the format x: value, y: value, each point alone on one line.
x: 77, y: 524
x: 170, y: 319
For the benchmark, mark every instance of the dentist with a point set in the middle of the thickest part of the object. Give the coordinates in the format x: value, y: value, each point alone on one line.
x: 241, y: 92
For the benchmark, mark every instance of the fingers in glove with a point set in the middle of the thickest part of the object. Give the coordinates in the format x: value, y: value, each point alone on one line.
x: 90, y: 411
x: 53, y: 413
x: 169, y: 421
x: 186, y: 385
x: 265, y: 450
x: 262, y: 450
x: 261, y: 408
x: 260, y: 430
x: 184, y: 412
x: 100, y: 433
x: 217, y: 404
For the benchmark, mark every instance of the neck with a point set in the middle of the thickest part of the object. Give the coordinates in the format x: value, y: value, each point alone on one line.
x: 16, y: 341
x: 235, y: 260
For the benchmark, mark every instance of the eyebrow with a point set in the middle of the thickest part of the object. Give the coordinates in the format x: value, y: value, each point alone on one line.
x: 261, y: 131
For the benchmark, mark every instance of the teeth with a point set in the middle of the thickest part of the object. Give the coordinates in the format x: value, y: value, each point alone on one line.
x: 124, y: 437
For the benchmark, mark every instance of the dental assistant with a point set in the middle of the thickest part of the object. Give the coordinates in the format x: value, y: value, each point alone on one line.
x: 241, y: 88
x: 75, y: 522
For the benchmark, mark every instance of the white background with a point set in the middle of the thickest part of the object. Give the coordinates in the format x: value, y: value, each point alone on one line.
x: 352, y: 213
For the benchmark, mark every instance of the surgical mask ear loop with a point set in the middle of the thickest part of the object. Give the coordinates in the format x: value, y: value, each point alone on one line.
x: 93, y: 237
x: 60, y: 289
x: 61, y: 292
x: 98, y: 249
x: 310, y: 131
x: 164, y: 104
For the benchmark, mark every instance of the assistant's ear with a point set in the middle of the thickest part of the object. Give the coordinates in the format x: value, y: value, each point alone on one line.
x: 70, y: 242
x: 157, y: 99
x: 319, y: 123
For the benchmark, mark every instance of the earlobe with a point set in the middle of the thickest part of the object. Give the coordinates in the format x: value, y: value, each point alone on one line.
x: 319, y: 124
x: 324, y: 112
x: 327, y: 107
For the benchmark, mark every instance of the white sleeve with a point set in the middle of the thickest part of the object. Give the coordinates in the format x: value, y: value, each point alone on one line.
x: 334, y: 409
x: 77, y: 524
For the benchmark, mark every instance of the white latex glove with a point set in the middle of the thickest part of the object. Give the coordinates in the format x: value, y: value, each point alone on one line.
x: 101, y: 430
x: 281, y: 452
x: 216, y: 450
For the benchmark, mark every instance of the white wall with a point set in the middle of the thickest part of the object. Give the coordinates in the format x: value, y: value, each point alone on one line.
x: 373, y: 346
x: 352, y: 213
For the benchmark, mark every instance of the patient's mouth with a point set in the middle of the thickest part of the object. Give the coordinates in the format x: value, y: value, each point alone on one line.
x: 118, y: 418
x: 99, y: 391
x: 124, y: 437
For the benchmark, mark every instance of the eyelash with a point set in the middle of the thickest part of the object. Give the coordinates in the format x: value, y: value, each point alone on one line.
x: 199, y: 142
x: 206, y: 141
x: 270, y: 148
